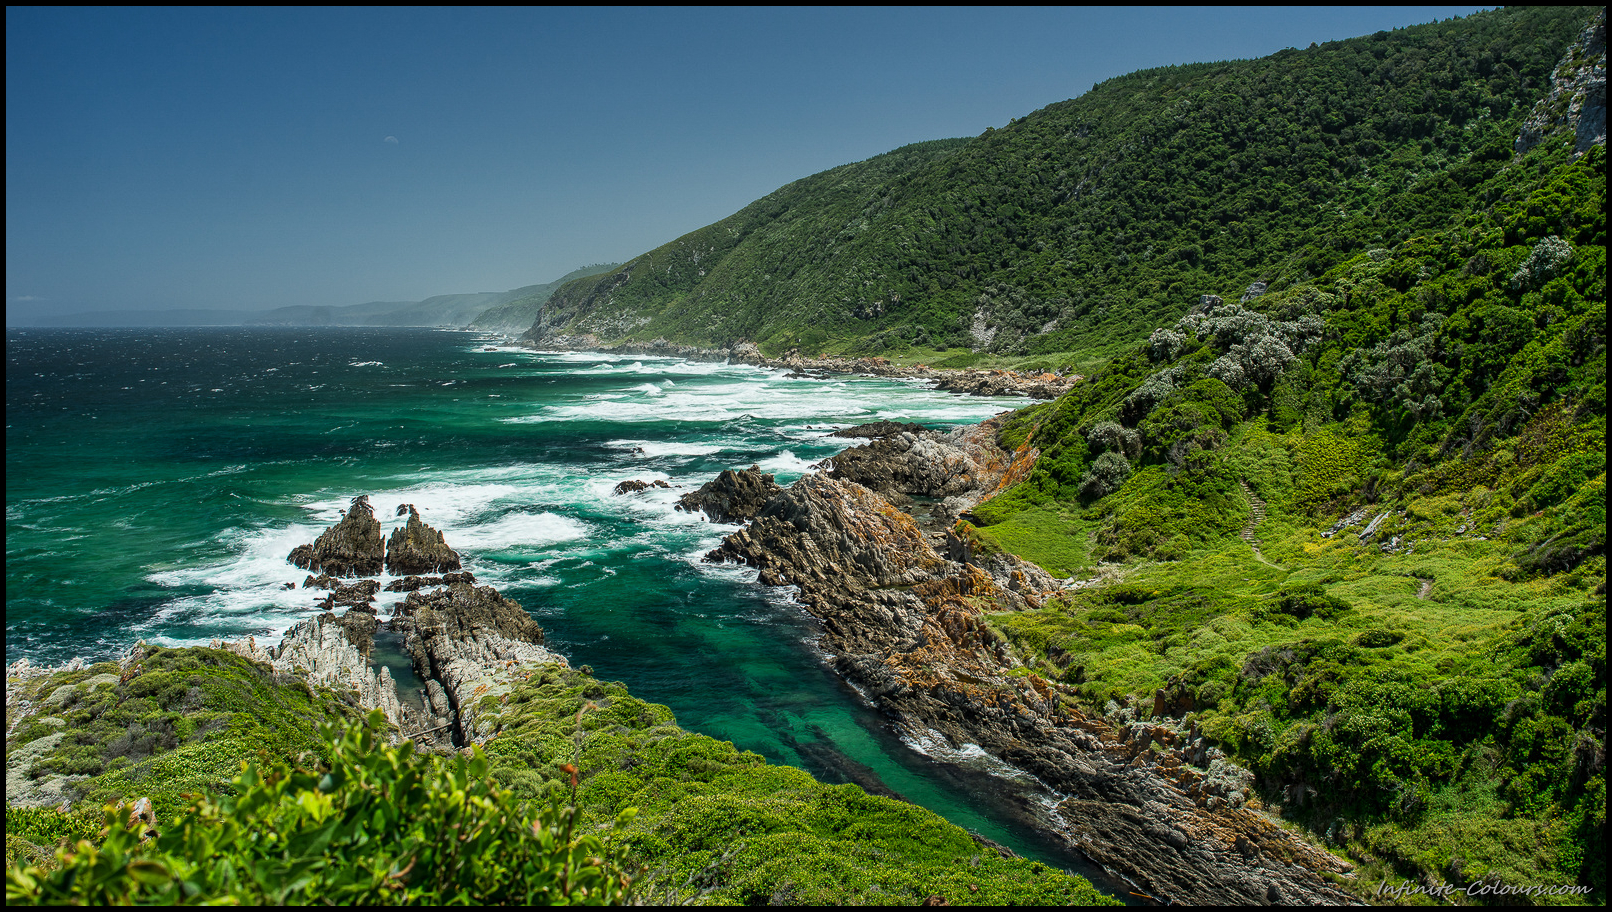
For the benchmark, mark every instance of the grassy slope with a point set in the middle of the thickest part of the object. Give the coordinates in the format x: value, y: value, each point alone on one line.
x: 713, y: 816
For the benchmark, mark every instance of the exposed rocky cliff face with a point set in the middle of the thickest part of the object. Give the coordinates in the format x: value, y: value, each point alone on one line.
x: 906, y: 624
x: 1576, y: 102
x: 352, y: 547
x: 416, y: 548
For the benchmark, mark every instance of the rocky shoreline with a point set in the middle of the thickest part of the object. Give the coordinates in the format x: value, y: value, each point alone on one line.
x: 903, y: 603
x: 903, y: 615
x: 968, y: 381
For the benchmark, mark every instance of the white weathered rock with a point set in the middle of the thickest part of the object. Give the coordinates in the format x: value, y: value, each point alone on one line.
x: 320, y: 650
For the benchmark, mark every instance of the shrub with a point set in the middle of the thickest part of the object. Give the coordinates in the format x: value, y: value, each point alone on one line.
x: 1310, y: 600
x: 1114, y: 437
x: 1105, y: 476
x: 377, y: 824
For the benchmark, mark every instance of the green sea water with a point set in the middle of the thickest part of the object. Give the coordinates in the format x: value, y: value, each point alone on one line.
x: 157, y: 479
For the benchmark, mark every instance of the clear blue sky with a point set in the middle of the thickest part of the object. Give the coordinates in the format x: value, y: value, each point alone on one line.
x: 259, y: 158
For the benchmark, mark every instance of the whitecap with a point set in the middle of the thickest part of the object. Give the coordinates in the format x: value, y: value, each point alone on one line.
x: 520, y: 532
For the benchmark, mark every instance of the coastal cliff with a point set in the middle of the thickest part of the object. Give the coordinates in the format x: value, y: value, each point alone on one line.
x: 907, y: 624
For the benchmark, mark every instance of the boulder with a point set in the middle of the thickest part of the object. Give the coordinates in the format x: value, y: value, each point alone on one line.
x: 732, y: 496
x: 633, y: 486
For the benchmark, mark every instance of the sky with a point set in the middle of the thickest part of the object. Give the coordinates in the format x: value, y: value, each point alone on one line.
x: 257, y: 158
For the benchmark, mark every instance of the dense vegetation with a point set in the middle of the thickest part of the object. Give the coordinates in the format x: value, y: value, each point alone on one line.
x: 1067, y: 228
x: 176, y: 722
x: 1346, y: 446
x: 587, y: 794
x: 1414, y: 661
x: 372, y: 825
x: 1354, y: 475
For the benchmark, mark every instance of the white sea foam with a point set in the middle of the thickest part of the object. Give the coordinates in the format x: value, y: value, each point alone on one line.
x: 366, y: 364
x: 787, y: 465
x: 662, y: 449
x: 520, y: 532
x: 933, y: 744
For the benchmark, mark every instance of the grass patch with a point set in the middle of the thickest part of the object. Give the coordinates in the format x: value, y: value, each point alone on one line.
x: 1052, y: 540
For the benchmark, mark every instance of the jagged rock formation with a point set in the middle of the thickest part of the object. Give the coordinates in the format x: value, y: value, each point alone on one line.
x: 959, y: 468
x: 906, y: 625
x: 352, y: 547
x: 1576, y: 102
x: 416, y: 548
x: 356, y: 595
x: 465, y: 640
x: 732, y: 496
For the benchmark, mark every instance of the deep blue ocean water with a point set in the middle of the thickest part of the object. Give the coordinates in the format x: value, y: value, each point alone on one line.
x: 157, y: 479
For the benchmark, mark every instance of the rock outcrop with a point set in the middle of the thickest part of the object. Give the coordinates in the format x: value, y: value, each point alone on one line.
x: 352, y: 547
x: 321, y: 651
x: 412, y: 583
x: 415, y: 548
x: 958, y: 468
x: 876, y: 429
x: 906, y: 624
x: 732, y: 496
x: 465, y: 642
x: 633, y: 486
x: 355, y: 595
x: 1576, y: 102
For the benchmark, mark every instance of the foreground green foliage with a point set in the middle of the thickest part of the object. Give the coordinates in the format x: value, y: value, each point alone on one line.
x: 698, y: 819
x: 375, y: 824
x: 725, y: 826
x: 178, y: 722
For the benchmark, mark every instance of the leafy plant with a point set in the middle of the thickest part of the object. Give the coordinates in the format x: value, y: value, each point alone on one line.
x: 376, y: 824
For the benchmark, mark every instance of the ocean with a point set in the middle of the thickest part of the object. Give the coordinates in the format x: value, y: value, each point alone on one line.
x: 156, y: 479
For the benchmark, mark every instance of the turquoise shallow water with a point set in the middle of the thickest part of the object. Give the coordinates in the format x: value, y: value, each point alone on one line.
x: 157, y: 479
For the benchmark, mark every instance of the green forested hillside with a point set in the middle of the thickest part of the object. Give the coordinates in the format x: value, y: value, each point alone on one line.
x: 1362, y: 521
x: 1070, y: 227
x: 518, y: 311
